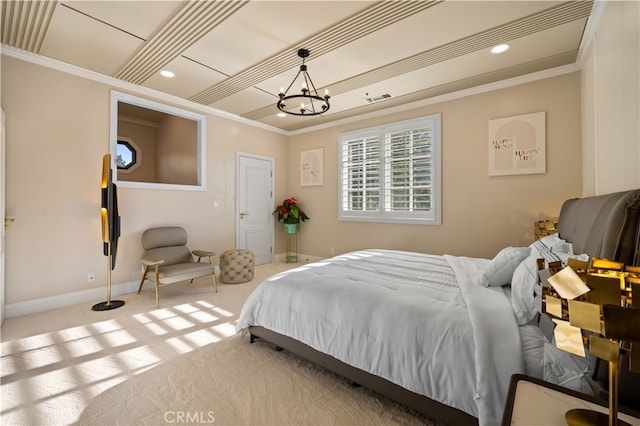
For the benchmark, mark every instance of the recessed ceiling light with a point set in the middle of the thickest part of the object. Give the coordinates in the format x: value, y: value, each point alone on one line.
x: 167, y: 73
x: 282, y: 114
x: 500, y: 48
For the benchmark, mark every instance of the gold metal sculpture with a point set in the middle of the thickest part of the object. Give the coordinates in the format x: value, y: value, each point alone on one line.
x: 542, y: 228
x: 597, y: 300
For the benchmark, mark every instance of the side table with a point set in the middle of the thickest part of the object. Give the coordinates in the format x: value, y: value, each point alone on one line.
x: 533, y: 401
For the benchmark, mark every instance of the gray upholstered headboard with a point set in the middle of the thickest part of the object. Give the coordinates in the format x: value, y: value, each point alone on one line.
x: 605, y: 226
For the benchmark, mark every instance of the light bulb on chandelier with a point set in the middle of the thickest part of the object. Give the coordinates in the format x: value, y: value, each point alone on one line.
x: 308, y: 94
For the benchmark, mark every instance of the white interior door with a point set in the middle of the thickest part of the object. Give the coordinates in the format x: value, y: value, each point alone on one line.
x: 2, y: 227
x: 254, y: 205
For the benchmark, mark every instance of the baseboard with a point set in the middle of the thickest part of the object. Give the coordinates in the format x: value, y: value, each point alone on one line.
x: 93, y: 295
x: 96, y: 295
x: 302, y: 258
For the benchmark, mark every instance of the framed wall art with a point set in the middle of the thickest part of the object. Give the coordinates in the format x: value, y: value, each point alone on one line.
x: 311, y: 167
x: 517, y: 145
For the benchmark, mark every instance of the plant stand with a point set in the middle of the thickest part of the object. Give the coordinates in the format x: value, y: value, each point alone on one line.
x: 292, y: 240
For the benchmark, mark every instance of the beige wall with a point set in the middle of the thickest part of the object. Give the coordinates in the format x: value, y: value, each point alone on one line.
x: 57, y: 133
x: 611, y: 101
x: 145, y: 138
x: 480, y: 214
x: 177, y: 151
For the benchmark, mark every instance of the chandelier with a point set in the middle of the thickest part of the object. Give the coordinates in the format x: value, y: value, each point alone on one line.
x: 308, y: 102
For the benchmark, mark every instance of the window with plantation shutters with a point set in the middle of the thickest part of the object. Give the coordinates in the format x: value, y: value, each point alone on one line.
x: 391, y: 173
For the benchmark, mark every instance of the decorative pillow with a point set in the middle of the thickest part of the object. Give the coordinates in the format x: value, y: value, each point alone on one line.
x: 525, y: 288
x: 551, y: 248
x: 500, y: 270
x: 525, y: 276
x: 549, y: 240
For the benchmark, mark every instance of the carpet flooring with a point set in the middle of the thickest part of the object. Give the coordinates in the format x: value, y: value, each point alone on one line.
x: 235, y: 382
x: 180, y: 364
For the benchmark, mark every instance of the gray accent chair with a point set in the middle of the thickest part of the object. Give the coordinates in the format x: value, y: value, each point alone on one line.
x: 167, y: 255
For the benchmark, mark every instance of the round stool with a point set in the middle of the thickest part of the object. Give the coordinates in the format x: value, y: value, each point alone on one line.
x: 236, y: 266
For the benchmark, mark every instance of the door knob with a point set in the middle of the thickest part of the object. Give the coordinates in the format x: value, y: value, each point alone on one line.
x: 8, y: 220
x: 242, y: 215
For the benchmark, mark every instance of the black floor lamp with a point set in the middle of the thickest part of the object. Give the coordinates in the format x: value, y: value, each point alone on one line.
x: 110, y: 230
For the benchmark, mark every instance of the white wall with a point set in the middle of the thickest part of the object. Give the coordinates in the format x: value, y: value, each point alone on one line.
x: 610, y: 90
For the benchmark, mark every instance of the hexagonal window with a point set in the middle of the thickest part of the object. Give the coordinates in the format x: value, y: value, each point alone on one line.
x: 128, y: 156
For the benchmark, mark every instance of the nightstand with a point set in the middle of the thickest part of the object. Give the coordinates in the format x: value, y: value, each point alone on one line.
x: 533, y: 401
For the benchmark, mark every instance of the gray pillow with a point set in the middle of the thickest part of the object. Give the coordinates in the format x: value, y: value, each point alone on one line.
x: 500, y: 270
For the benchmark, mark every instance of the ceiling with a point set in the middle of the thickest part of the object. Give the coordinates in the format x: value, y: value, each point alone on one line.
x: 236, y: 56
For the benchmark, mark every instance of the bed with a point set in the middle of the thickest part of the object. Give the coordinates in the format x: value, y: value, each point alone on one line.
x: 440, y: 334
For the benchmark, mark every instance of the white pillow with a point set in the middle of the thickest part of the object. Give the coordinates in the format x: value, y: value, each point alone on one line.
x: 523, y: 283
x: 500, y: 270
x: 525, y: 277
x: 550, y: 246
x: 549, y: 240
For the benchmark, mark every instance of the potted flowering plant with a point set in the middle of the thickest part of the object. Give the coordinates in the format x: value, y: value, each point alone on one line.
x: 291, y: 214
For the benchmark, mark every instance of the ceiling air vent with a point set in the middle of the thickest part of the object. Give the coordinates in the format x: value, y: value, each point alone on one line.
x: 377, y: 98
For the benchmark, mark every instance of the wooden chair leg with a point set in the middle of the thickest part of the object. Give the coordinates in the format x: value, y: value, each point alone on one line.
x: 157, y: 289
x: 191, y: 282
x: 214, y: 275
x: 144, y: 276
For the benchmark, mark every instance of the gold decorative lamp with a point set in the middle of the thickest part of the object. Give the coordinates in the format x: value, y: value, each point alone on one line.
x: 110, y: 229
x: 542, y: 228
x: 598, y: 302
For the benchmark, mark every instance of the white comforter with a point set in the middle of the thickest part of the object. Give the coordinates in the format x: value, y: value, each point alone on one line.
x: 423, y: 322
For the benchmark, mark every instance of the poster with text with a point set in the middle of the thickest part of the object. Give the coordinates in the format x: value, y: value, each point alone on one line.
x: 517, y: 145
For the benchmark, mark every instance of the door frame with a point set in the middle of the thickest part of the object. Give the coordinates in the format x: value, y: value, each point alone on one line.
x: 239, y: 156
x: 3, y: 246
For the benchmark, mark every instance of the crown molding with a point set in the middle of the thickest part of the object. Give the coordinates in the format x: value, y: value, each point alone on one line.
x: 140, y: 90
x: 590, y: 29
x: 129, y: 87
x: 489, y: 87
